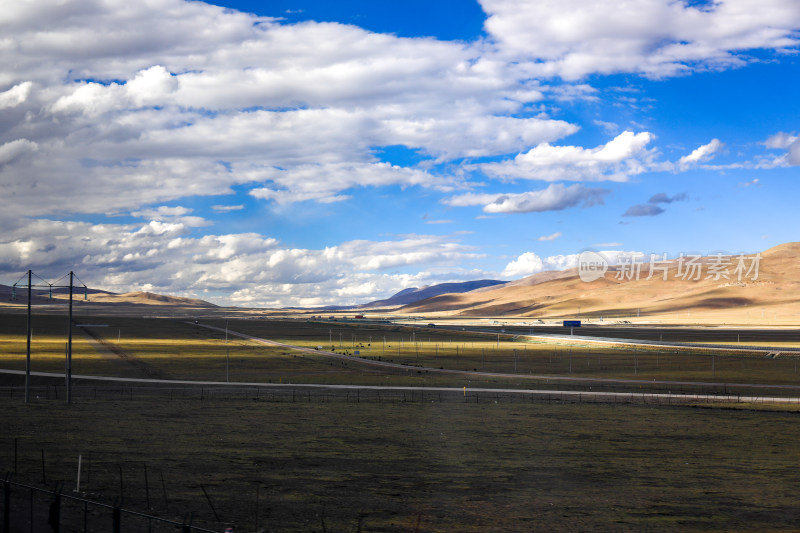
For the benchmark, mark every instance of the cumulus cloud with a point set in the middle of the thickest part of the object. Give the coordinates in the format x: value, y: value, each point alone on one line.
x: 554, y: 198
x: 530, y: 263
x: 658, y: 38
x: 15, y: 95
x: 789, y: 142
x: 794, y: 153
x: 700, y: 154
x: 780, y: 140
x: 125, y: 108
x: 617, y: 160
x: 228, y: 268
x: 15, y: 149
x: 193, y: 99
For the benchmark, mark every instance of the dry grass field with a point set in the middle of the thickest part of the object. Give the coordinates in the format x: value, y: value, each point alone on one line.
x: 427, y: 466
x: 443, y: 462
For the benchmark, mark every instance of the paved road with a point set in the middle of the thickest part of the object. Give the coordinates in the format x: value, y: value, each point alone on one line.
x: 721, y: 338
x: 600, y: 395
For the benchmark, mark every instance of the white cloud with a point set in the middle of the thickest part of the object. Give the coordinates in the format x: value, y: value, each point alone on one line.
x: 657, y: 38
x: 15, y: 149
x: 177, y: 214
x: 554, y: 198
x: 193, y: 99
x: 530, y: 263
x: 701, y: 154
x: 15, y: 95
x: 794, y: 153
x: 524, y: 265
x: 550, y: 237
x: 227, y: 208
x: 324, y: 182
x: 788, y: 141
x: 228, y: 268
x: 117, y: 107
x: 621, y: 157
x: 780, y: 140
x: 610, y: 128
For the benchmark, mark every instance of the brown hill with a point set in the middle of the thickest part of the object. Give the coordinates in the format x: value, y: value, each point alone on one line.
x: 149, y: 298
x: 42, y: 296
x: 772, y: 296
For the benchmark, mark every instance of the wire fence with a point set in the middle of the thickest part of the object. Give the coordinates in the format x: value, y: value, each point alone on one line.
x: 545, y: 391
x: 27, y: 508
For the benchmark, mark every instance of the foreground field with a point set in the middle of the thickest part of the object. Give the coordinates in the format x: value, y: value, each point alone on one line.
x: 445, y: 465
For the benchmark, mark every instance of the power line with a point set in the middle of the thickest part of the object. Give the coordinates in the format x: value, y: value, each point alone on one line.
x: 30, y: 285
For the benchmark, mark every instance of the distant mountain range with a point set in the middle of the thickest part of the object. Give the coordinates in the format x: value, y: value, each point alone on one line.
x: 411, y: 295
x: 414, y: 294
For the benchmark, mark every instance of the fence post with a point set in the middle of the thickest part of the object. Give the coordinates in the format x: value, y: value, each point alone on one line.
x: 116, y: 517
x: 7, y: 505
x: 54, y: 518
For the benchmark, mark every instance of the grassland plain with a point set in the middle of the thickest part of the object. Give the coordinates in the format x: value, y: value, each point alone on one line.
x: 447, y: 464
x: 179, y: 349
x: 451, y: 465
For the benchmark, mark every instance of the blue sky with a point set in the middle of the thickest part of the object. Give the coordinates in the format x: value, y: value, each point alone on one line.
x: 308, y: 153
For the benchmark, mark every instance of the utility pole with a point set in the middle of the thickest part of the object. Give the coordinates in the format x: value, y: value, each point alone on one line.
x: 29, y: 336
x: 69, y: 342
x: 28, y: 357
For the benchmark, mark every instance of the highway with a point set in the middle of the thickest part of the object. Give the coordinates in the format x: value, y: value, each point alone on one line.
x: 677, y: 338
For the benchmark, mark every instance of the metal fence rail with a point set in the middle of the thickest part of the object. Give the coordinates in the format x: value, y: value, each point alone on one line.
x: 35, y: 509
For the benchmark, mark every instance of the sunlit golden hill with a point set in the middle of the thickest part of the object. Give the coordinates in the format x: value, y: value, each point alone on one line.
x: 772, y: 295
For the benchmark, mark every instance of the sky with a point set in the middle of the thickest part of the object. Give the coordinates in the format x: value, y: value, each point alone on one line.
x: 308, y: 153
